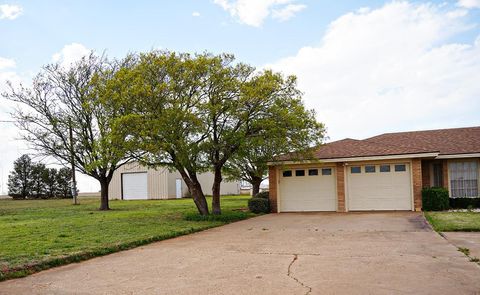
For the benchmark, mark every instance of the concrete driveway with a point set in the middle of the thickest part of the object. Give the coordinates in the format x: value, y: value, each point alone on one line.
x: 329, y: 253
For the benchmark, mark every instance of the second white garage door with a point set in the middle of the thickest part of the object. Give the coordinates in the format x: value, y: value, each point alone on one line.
x: 310, y: 189
x: 134, y: 186
x: 379, y: 187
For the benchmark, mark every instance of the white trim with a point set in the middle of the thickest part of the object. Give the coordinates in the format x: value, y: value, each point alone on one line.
x: 357, y: 159
x: 279, y: 193
x: 345, y: 189
x: 412, y: 192
x: 459, y: 156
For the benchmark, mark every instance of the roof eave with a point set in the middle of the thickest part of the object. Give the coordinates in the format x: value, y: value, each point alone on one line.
x: 358, y: 159
x: 459, y: 156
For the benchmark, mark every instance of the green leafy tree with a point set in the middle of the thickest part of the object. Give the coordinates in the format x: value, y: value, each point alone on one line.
x: 194, y: 113
x: 61, y: 98
x: 259, y: 107
x: 296, y: 132
x: 160, y: 95
x: 20, y: 179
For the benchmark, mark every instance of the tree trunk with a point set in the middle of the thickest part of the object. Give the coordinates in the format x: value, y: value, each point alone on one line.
x: 199, y: 198
x: 217, y: 181
x: 256, y: 181
x: 104, y: 194
x: 195, y: 190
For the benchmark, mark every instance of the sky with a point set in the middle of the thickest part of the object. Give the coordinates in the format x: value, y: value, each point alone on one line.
x: 365, y: 67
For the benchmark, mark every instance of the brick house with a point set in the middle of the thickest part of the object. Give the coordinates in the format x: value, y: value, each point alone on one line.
x: 384, y: 172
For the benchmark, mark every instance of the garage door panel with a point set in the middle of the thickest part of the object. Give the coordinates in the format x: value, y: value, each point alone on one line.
x: 307, y: 193
x: 379, y: 190
x: 134, y: 186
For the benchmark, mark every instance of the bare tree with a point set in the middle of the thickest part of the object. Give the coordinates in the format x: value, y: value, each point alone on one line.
x: 59, y: 95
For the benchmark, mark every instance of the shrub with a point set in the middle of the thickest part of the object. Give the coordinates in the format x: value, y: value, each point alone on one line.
x: 435, y: 199
x: 262, y: 195
x: 259, y: 205
x: 225, y: 217
x: 464, y: 203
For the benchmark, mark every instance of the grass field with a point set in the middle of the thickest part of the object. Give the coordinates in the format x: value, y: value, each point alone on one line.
x: 40, y: 234
x: 454, y: 221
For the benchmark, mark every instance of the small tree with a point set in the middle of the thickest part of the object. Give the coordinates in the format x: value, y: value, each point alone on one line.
x: 62, y: 98
x: 20, y: 179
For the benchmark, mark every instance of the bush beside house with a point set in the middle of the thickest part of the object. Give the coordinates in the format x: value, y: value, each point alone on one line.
x: 435, y: 199
x: 259, y: 203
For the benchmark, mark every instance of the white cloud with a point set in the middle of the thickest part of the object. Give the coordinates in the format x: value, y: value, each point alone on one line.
x: 8, y: 11
x: 469, y: 3
x: 195, y: 14
x: 70, y: 54
x: 288, y: 11
x: 254, y: 12
x: 389, y: 69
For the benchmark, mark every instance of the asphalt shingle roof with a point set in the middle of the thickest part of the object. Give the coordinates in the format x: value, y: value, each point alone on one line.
x: 442, y: 141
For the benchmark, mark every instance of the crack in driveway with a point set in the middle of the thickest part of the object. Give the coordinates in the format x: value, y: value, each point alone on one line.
x: 289, y: 274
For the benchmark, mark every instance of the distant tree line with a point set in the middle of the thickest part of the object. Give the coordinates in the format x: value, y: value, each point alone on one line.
x: 32, y: 180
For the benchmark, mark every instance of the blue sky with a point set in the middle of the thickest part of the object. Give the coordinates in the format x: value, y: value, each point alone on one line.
x: 366, y: 67
x: 119, y: 27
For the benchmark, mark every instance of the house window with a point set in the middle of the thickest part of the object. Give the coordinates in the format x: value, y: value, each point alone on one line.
x: 327, y: 171
x: 299, y: 172
x: 384, y: 168
x: 463, y: 179
x: 400, y: 168
x: 437, y: 175
x: 370, y: 169
x: 312, y: 172
x: 355, y: 169
x: 287, y: 173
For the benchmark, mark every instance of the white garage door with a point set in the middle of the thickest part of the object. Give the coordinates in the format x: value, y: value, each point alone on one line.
x: 379, y: 187
x: 310, y: 189
x: 134, y: 186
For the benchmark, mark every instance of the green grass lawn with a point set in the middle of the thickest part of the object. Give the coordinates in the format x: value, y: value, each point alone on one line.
x: 454, y: 221
x: 39, y: 234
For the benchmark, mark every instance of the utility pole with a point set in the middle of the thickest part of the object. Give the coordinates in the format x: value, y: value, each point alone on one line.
x: 72, y: 161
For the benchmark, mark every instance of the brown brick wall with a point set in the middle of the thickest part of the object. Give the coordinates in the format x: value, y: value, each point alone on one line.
x: 417, y: 183
x: 272, y: 190
x: 340, y: 187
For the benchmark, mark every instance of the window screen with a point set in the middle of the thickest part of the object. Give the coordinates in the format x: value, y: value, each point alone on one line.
x: 312, y: 172
x: 287, y: 173
x: 369, y: 169
x: 463, y: 179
